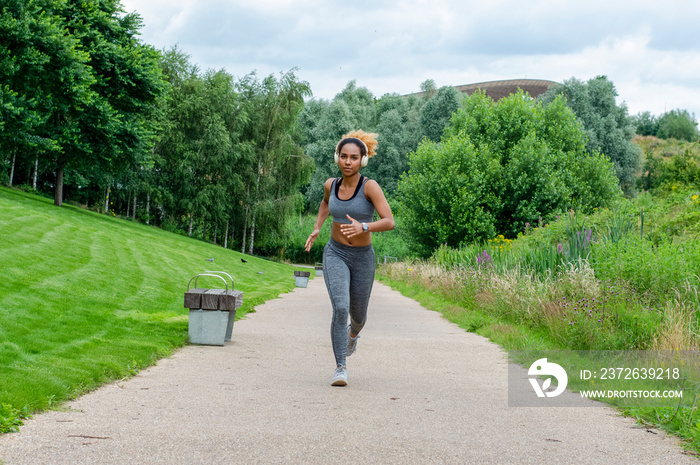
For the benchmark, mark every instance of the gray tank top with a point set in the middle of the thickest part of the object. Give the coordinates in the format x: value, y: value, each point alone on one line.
x: 356, y: 206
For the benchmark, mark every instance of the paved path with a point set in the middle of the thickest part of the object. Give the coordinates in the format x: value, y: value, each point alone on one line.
x: 421, y: 391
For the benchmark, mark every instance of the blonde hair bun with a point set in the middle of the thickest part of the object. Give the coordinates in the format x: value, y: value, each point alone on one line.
x: 368, y: 138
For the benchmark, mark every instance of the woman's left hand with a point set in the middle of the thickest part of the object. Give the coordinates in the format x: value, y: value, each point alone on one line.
x: 353, y: 229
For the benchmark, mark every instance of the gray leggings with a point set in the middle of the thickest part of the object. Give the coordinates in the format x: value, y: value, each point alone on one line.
x: 349, y: 274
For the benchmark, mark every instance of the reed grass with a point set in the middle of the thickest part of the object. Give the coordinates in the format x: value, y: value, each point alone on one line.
x: 593, y: 283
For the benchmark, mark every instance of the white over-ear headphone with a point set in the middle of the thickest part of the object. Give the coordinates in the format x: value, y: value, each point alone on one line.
x: 363, y: 161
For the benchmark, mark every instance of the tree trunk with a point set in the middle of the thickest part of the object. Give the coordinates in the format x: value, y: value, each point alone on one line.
x: 245, y: 229
x: 36, y: 170
x: 189, y: 232
x: 133, y: 215
x: 12, y: 168
x: 255, y: 201
x: 107, y: 199
x: 252, y: 234
x: 216, y: 232
x: 148, y: 207
x: 204, y: 231
x: 226, y: 236
x: 245, y: 222
x: 128, y: 204
x: 58, y: 193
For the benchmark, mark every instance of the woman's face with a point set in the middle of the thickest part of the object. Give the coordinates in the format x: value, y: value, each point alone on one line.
x: 349, y: 159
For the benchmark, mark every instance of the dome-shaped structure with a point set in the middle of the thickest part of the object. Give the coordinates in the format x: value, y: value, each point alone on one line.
x: 499, y: 89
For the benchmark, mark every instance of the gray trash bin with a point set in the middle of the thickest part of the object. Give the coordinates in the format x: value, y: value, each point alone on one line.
x: 301, y: 278
x: 212, y: 311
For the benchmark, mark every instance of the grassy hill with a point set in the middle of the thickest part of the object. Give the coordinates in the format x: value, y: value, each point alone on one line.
x: 87, y: 298
x: 666, y: 148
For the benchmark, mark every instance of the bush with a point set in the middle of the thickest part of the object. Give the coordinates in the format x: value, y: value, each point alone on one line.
x: 498, y: 167
x: 681, y: 169
x: 448, y: 195
x: 11, y: 418
x: 655, y: 270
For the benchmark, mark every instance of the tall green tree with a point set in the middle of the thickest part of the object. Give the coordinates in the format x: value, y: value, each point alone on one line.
x: 436, y: 113
x: 116, y: 130
x: 399, y: 133
x: 428, y: 88
x: 79, y: 66
x: 609, y: 128
x: 333, y: 119
x: 199, y: 151
x: 361, y: 104
x: 278, y: 166
x: 678, y: 124
x: 646, y: 124
x: 45, y: 79
x: 396, y: 120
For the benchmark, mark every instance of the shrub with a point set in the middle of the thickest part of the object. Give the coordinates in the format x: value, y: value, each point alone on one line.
x: 448, y: 195
x: 11, y: 418
x: 498, y: 167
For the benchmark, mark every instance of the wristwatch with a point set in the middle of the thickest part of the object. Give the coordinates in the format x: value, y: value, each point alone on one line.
x: 365, y: 227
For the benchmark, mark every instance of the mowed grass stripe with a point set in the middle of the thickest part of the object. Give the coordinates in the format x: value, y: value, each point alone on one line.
x: 86, y: 298
x: 32, y: 239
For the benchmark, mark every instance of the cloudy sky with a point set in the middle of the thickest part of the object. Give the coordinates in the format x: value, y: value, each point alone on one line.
x: 649, y: 49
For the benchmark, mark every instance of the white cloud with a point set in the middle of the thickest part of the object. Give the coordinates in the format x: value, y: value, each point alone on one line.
x: 649, y: 49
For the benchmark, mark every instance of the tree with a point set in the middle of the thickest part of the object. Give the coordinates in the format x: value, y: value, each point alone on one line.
x: 116, y: 130
x: 79, y: 68
x: 447, y: 196
x: 395, y: 118
x: 499, y: 166
x: 399, y: 134
x: 199, y: 152
x: 428, y: 88
x: 361, y: 104
x: 678, y: 124
x: 609, y: 128
x: 335, y: 120
x: 436, y: 113
x: 44, y: 79
x: 279, y: 165
x: 646, y: 124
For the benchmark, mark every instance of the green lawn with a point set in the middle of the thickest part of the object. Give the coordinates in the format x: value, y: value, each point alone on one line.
x: 86, y: 298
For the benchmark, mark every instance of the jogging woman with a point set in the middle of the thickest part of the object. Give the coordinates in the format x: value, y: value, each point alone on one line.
x: 348, y: 258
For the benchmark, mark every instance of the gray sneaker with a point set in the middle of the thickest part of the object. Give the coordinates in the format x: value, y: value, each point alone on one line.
x: 340, y: 378
x: 352, y: 343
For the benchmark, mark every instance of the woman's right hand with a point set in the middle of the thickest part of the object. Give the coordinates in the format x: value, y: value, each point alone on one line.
x: 312, y: 238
